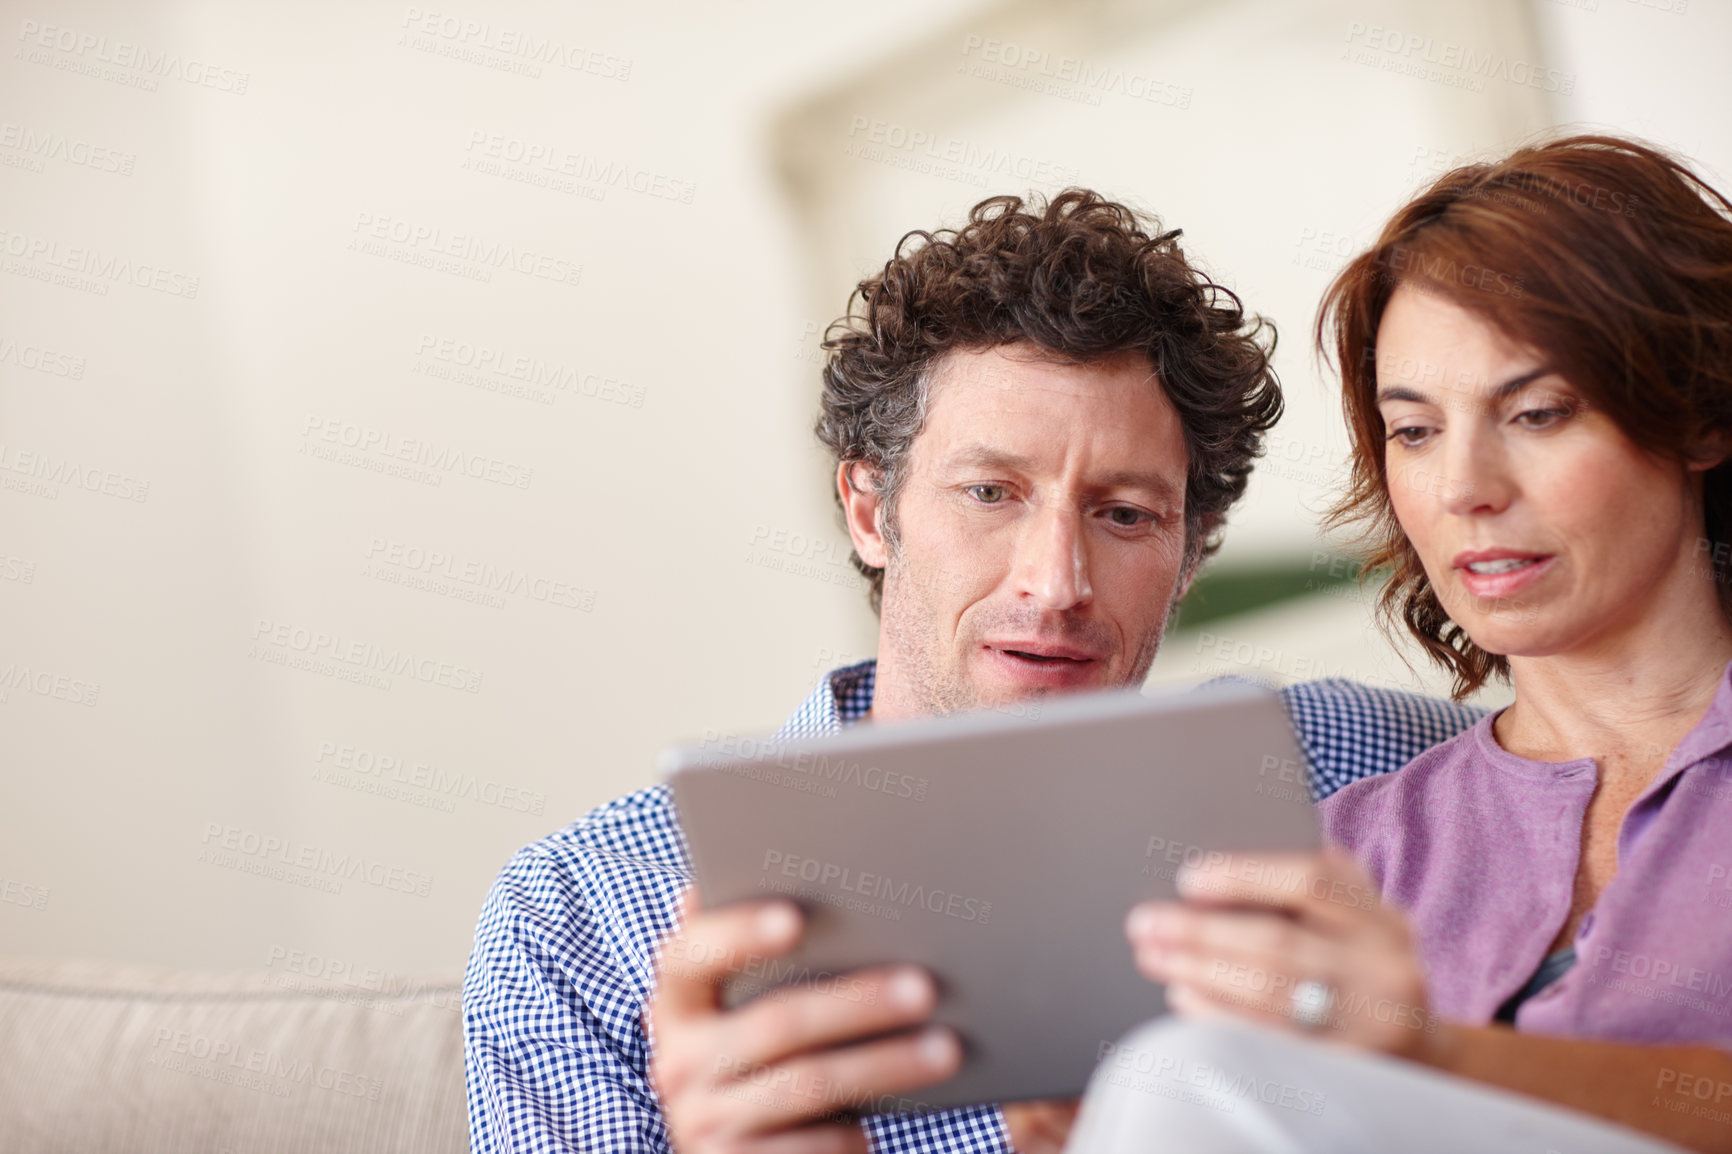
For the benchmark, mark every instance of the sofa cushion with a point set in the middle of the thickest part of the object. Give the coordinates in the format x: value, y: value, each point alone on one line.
x: 98, y: 1057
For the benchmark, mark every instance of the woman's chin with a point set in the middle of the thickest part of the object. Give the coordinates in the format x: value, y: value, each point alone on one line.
x: 1505, y: 639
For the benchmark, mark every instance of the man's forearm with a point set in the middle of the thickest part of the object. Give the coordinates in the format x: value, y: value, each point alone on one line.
x: 1680, y: 1093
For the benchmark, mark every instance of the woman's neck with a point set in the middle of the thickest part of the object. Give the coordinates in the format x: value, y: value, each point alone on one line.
x: 1625, y: 699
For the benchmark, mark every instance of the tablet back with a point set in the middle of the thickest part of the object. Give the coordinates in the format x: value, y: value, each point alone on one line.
x: 1001, y: 852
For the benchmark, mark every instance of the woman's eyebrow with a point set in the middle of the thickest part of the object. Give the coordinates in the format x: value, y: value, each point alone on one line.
x: 1508, y: 388
x: 1517, y: 384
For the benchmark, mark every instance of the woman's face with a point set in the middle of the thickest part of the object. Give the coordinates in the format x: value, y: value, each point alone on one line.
x: 1542, y: 527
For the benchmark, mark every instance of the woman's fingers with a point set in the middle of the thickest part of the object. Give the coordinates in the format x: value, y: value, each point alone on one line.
x: 1295, y: 940
x: 1328, y: 887
x: 1248, y: 962
x: 1223, y: 941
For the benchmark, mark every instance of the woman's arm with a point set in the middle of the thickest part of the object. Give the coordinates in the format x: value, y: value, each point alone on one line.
x: 1680, y: 1093
x: 1301, y: 942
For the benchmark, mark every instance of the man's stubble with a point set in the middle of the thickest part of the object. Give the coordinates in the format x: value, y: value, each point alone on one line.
x: 933, y: 665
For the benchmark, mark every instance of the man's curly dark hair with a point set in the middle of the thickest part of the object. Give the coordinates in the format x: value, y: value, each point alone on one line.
x: 1085, y: 280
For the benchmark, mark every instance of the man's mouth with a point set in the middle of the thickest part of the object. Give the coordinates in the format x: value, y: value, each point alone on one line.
x: 1028, y: 665
x: 1045, y: 658
x: 1049, y: 651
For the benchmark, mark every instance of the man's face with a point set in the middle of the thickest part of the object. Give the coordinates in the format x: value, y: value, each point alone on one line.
x: 1041, y: 533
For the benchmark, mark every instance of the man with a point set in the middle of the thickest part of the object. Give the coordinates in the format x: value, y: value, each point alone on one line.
x: 1039, y: 423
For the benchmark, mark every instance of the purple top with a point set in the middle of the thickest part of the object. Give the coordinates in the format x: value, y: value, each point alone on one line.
x: 1480, y: 847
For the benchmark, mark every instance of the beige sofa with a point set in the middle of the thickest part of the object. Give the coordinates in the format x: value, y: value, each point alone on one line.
x: 99, y: 1058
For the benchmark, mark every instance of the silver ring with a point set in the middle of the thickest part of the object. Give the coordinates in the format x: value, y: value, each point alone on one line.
x: 1311, y: 1002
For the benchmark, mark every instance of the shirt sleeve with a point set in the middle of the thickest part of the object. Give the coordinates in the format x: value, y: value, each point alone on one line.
x: 554, y: 1050
x: 970, y: 1130
x: 554, y: 1054
x: 1351, y: 731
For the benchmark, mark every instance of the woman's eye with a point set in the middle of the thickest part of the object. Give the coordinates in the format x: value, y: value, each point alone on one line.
x: 1410, y: 436
x: 986, y: 494
x: 1540, y: 418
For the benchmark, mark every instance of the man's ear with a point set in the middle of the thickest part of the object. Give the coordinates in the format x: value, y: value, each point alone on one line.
x: 1193, y: 563
x: 1186, y: 576
x: 857, y: 484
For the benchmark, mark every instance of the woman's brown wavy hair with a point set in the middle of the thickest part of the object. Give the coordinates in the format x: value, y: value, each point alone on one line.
x: 1608, y: 257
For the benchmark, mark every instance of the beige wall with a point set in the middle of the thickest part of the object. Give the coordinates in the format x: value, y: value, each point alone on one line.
x: 251, y: 255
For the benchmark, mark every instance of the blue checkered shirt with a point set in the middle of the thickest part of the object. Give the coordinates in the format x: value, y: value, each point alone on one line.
x: 554, y: 997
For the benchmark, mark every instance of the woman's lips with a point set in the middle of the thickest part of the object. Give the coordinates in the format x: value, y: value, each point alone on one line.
x: 1510, y: 575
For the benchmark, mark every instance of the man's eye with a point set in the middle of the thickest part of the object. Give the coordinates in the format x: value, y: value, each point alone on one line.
x: 986, y: 494
x: 1409, y: 436
x: 1129, y: 518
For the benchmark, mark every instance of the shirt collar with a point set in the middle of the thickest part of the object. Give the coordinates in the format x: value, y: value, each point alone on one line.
x: 842, y: 697
x: 1708, y: 738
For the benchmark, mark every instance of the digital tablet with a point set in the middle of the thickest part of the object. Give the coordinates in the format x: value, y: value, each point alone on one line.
x: 999, y: 850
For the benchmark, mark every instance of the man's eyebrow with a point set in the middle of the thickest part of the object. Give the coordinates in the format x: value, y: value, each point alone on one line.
x: 1156, y: 483
x: 1508, y: 388
x: 987, y: 457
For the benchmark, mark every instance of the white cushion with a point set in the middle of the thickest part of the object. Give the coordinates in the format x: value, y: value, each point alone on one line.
x: 98, y: 1057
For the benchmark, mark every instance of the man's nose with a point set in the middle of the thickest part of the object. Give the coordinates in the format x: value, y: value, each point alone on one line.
x: 1052, y: 560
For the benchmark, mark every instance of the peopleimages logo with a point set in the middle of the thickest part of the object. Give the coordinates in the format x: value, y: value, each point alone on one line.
x: 359, y: 767
x: 970, y: 157
x: 363, y: 657
x: 39, y: 146
x: 1069, y: 77
x: 140, y: 67
x: 17, y: 893
x: 16, y: 678
x: 822, y: 767
x: 326, y: 437
x: 582, y: 168
x: 321, y: 970
x: 251, y: 1068
x: 418, y: 243
x: 1404, y: 259
x: 753, y: 973
x: 91, y: 268
x: 1663, y: 972
x: 878, y: 887
x: 1215, y: 1082
x: 318, y: 867
x: 1457, y: 64
x: 54, y: 472
x: 480, y: 576
x: 41, y: 360
x: 517, y: 45
x: 496, y: 370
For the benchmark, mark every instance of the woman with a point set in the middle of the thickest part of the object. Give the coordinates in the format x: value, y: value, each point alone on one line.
x: 1537, y: 366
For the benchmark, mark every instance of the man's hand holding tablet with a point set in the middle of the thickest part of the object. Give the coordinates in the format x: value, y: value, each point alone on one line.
x: 742, y: 1079
x: 711, y: 1102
